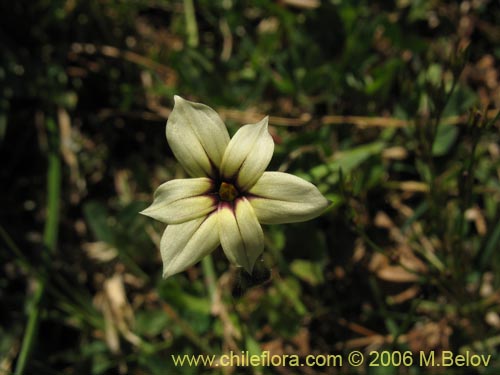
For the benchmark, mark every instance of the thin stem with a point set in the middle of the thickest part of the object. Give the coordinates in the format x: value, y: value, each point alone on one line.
x: 49, y: 240
x: 20, y: 257
x: 210, y: 276
x: 191, y: 25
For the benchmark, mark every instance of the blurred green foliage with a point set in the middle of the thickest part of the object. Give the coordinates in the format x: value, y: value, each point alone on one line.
x: 378, y: 103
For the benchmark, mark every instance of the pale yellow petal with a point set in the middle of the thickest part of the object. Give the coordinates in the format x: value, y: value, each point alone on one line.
x: 183, y: 245
x: 248, y: 155
x: 240, y: 233
x: 182, y: 200
x: 197, y: 136
x: 284, y: 198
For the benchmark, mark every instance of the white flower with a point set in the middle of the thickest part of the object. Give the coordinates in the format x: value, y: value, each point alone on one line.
x: 229, y: 194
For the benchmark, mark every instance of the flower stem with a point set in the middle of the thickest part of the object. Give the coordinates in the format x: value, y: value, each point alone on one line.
x: 191, y: 25
x: 49, y: 242
x: 210, y: 276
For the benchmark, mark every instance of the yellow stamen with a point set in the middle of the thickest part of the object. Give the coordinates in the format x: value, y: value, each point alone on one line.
x: 227, y: 192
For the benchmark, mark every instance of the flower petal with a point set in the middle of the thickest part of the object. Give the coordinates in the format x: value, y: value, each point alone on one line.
x: 248, y: 154
x: 183, y: 245
x: 197, y: 136
x: 240, y: 233
x: 279, y: 198
x: 181, y: 200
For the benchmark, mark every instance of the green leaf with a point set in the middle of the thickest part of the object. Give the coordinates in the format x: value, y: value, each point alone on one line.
x: 252, y: 346
x: 171, y: 291
x: 382, y: 370
x: 290, y: 289
x: 150, y: 323
x: 96, y: 216
x: 310, y: 272
x: 347, y: 161
x: 445, y: 138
